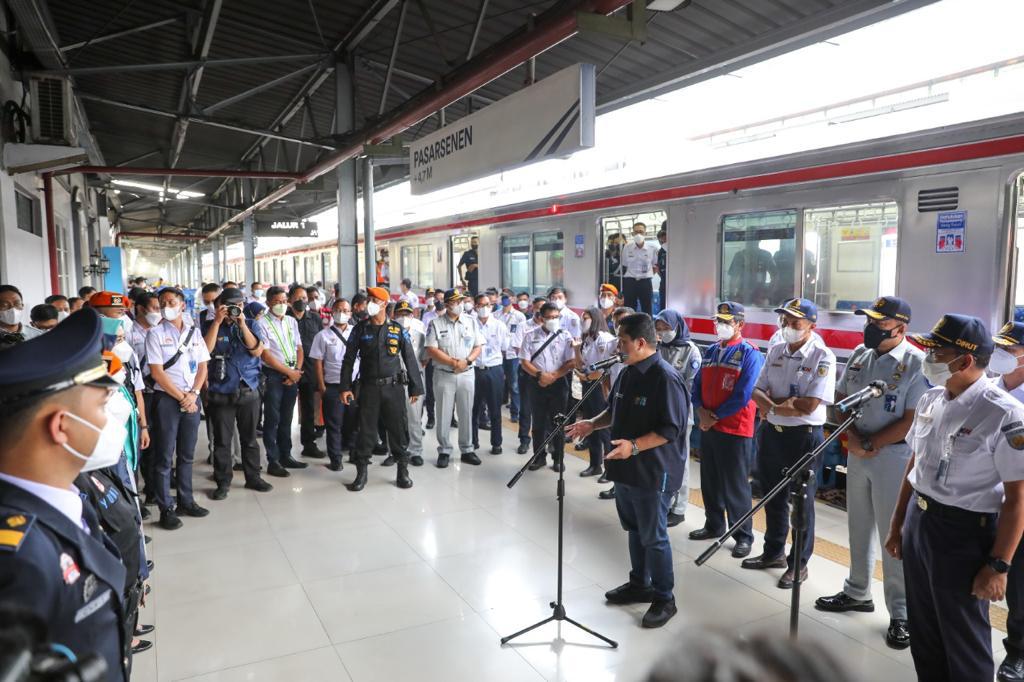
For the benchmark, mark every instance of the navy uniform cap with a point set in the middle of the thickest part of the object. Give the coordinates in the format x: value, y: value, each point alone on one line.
x: 69, y: 355
x: 893, y: 307
x: 403, y: 306
x: 962, y: 332
x: 799, y: 307
x: 453, y: 295
x: 1012, y: 334
x: 729, y: 311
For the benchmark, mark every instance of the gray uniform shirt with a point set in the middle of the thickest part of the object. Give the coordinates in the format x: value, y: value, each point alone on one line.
x: 456, y: 338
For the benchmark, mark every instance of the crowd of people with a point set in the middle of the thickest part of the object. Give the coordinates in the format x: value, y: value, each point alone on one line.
x: 109, y: 402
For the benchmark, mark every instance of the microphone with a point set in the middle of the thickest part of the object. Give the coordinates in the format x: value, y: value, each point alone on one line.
x: 605, y: 364
x: 869, y: 392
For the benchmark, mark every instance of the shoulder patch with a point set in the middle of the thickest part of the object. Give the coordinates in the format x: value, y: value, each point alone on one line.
x: 823, y: 368
x: 1015, y: 437
x: 1010, y: 426
x: 14, y: 526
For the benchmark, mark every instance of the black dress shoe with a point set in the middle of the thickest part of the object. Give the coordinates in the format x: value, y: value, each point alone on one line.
x: 402, y: 480
x: 289, y: 463
x: 591, y: 471
x: 486, y: 426
x: 416, y: 461
x: 442, y: 461
x: 630, y: 593
x: 558, y: 467
x: 143, y: 645
x: 335, y: 466
x: 675, y: 519
x: 660, y: 612
x: 741, y: 550
x: 470, y: 458
x: 1011, y: 669
x: 388, y: 461
x: 789, y: 577
x: 193, y: 510
x: 169, y: 520
x: 237, y: 467
x: 313, y: 452
x: 704, y: 533
x: 537, y: 463
x: 144, y: 513
x: 275, y: 469
x: 143, y: 630
x: 221, y: 493
x: 259, y: 485
x: 524, y: 447
x: 430, y: 423
x: 842, y: 602
x: 607, y: 494
x: 604, y: 478
x: 496, y: 450
x: 898, y: 637
x: 761, y: 561
x: 380, y: 449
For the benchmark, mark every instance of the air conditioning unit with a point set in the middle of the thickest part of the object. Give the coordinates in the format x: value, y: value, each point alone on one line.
x: 51, y: 111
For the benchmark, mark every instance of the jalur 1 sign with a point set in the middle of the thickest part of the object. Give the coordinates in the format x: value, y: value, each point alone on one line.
x: 286, y: 228
x: 552, y: 118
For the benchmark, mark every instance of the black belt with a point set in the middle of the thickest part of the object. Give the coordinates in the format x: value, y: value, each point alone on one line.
x: 803, y: 428
x: 384, y: 381
x: 927, y: 504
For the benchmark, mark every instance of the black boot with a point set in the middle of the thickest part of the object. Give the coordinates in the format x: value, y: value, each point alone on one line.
x: 360, y: 482
x: 403, y: 480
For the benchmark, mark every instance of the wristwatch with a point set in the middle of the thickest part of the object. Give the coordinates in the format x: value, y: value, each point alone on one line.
x: 998, y: 565
x: 867, y: 445
x: 636, y: 449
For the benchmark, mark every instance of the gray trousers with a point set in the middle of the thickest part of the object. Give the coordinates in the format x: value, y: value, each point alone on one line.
x: 415, y: 411
x: 682, y: 497
x: 453, y: 392
x: 872, y: 486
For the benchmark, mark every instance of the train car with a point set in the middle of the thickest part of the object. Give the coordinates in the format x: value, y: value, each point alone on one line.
x: 931, y: 216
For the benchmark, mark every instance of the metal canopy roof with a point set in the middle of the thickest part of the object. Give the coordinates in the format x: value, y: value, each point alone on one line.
x: 227, y: 84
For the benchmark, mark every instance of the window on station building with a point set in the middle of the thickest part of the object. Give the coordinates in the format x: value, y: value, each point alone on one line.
x: 616, y: 231
x: 28, y: 213
x: 758, y: 265
x: 63, y: 260
x: 418, y: 265
x: 850, y: 254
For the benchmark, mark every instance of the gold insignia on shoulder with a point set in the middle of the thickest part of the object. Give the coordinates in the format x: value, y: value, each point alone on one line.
x: 16, y: 521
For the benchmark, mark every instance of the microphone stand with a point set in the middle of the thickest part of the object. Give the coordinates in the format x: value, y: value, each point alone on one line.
x: 557, y: 607
x: 796, y: 478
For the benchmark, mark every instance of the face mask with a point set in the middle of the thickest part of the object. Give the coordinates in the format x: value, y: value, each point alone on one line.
x: 607, y: 302
x: 279, y: 309
x: 108, y: 446
x: 667, y: 336
x: 791, y: 335
x: 10, y: 317
x: 402, y: 321
x: 585, y: 326
x: 523, y: 305
x: 153, y: 319
x: 372, y: 308
x: 638, y: 239
x: 258, y: 294
x: 874, y: 336
x: 937, y: 373
x: 552, y: 325
x: 111, y: 325
x: 299, y: 306
x: 212, y: 308
x: 314, y: 305
x: 122, y: 350
x: 468, y: 306
x: 1003, y: 361
x: 724, y: 331
x: 170, y: 314
x: 559, y: 303
x: 61, y: 316
x: 361, y: 315
x: 505, y: 301
x: 483, y: 313
x: 439, y: 306
x: 120, y: 376
x: 341, y: 318
x: 454, y: 309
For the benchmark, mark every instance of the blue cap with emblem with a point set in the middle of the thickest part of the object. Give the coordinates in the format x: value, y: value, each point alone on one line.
x: 892, y: 307
x: 799, y: 307
x: 1012, y: 334
x: 729, y: 311
x: 67, y: 356
x: 964, y: 332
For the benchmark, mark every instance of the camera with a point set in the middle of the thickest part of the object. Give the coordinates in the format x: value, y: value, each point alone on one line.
x: 234, y: 311
x: 218, y: 369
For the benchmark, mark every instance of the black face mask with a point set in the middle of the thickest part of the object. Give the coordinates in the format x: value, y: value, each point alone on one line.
x: 299, y: 306
x: 361, y: 314
x: 875, y: 336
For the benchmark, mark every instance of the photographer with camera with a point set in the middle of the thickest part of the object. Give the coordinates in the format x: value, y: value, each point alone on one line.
x: 234, y: 391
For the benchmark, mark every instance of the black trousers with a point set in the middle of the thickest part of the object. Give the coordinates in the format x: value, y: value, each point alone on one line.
x: 428, y: 405
x: 600, y: 441
x: 526, y: 383
x: 1014, y: 640
x: 307, y: 413
x: 724, y: 481
x: 147, y: 457
x: 778, y: 450
x: 545, y: 403
x: 951, y: 634
x: 226, y: 411
x: 336, y: 414
x: 387, y: 402
x: 637, y: 294
x: 490, y: 384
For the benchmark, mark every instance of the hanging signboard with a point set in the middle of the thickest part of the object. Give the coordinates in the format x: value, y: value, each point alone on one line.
x: 551, y: 118
x: 286, y: 228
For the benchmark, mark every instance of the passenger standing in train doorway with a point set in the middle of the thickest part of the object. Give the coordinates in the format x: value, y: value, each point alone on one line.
x: 662, y: 266
x: 638, y: 261
x: 469, y: 267
x: 878, y: 457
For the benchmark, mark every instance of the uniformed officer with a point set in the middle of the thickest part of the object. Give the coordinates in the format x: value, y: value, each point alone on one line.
x: 960, y: 511
x: 453, y: 344
x: 470, y: 260
x: 546, y: 357
x: 387, y: 361
x: 533, y: 320
x: 327, y: 354
x: 638, y: 261
x: 878, y: 457
x: 405, y: 315
x: 177, y: 358
x: 725, y: 410
x: 55, y: 560
x: 309, y: 324
x: 595, y: 345
x: 569, y: 320
x: 516, y: 323
x: 489, y: 384
x: 606, y: 297
x: 797, y: 382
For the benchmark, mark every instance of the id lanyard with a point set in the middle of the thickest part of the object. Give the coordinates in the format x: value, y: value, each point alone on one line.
x: 286, y: 350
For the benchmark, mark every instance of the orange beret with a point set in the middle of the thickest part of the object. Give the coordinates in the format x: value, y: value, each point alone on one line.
x: 108, y: 299
x: 611, y: 288
x: 379, y: 293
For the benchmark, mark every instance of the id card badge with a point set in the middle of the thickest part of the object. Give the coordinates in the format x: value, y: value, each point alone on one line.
x: 193, y: 366
x: 942, y: 474
x: 794, y: 390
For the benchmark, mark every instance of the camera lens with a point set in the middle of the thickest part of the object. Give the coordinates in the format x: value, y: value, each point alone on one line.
x: 234, y: 311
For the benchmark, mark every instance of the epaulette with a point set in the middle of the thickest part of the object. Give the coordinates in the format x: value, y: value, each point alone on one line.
x: 14, y: 526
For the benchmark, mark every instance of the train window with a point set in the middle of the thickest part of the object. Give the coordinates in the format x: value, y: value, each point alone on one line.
x: 418, y: 265
x: 548, y: 261
x: 327, y: 265
x: 1018, y: 292
x: 849, y: 254
x: 615, y: 231
x: 515, y: 262
x: 758, y: 267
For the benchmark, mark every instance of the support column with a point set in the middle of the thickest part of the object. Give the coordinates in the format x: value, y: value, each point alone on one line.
x: 345, y: 174
x: 217, y: 274
x: 222, y: 246
x: 249, y: 247
x: 369, y: 246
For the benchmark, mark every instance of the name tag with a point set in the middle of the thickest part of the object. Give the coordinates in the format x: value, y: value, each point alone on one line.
x: 92, y: 607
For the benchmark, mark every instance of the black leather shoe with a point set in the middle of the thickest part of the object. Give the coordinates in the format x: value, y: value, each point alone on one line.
x: 591, y: 471
x: 290, y: 463
x: 193, y: 510
x: 486, y: 426
x: 789, y: 577
x: 630, y: 593
x: 221, y: 493
x: 604, y: 478
x: 259, y: 485
x: 143, y: 645
x: 313, y: 452
x: 496, y: 450
x: 741, y: 550
x: 675, y: 519
x: 761, y: 562
x: 237, y: 467
x: 842, y: 602
x: 470, y: 458
x: 537, y: 463
x: 430, y: 423
x: 169, y: 520
x: 360, y: 481
x: 607, y: 494
x: 275, y: 469
x: 388, y: 461
x: 442, y: 461
x: 379, y: 449
x: 402, y: 480
x: 143, y: 630
x: 661, y: 612
x: 416, y: 461
x: 335, y: 466
x: 898, y: 637
x: 1010, y: 670
x: 524, y: 447
x: 144, y: 513
x: 558, y: 467
x: 704, y: 533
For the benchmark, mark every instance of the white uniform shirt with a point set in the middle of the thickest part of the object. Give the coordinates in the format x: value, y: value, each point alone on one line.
x: 281, y: 337
x: 136, y: 338
x: 330, y: 350
x: 456, y: 338
x: 600, y: 348
x: 556, y: 354
x: 161, y: 345
x: 1017, y: 393
x: 571, y: 322
x: 67, y: 501
x: 412, y: 297
x: 516, y: 323
x: 980, y: 434
x: 638, y: 261
x: 810, y: 372
x: 496, y: 342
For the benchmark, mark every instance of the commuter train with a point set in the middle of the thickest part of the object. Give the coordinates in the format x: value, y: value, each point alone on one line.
x: 932, y: 216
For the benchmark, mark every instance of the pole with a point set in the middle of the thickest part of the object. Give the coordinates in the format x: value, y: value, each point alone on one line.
x: 249, y: 247
x: 215, y: 248
x: 51, y: 232
x: 345, y: 173
x: 369, y: 247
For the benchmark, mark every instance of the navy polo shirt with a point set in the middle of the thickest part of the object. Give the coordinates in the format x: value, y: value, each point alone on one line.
x: 650, y: 396
x: 241, y: 365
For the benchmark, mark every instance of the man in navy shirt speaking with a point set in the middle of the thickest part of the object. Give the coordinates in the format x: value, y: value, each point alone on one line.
x: 647, y: 415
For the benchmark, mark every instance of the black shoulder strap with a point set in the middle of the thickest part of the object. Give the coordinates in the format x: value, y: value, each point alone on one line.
x: 338, y: 334
x: 181, y: 346
x: 544, y: 345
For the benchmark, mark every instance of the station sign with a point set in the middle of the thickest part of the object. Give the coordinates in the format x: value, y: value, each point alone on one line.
x: 551, y: 118
x: 286, y: 228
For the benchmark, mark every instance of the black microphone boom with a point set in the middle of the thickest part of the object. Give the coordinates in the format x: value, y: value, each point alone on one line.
x: 607, y: 362
x: 869, y: 392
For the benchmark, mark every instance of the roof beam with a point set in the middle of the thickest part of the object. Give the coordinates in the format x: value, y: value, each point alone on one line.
x: 394, y: 56
x: 481, y: 13
x: 187, y: 64
x: 190, y: 88
x: 120, y: 34
x: 373, y: 15
x: 262, y: 87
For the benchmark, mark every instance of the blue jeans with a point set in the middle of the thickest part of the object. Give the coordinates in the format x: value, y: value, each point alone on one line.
x: 643, y: 514
x: 278, y: 410
x: 511, y: 367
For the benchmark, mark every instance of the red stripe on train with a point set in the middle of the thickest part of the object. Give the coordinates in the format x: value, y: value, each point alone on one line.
x: 833, y: 338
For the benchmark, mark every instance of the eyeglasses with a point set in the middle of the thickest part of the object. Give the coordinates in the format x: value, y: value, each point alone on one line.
x: 4, y: 305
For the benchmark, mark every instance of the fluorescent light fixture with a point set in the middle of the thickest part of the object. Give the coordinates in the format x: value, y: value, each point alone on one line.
x: 756, y: 137
x: 667, y: 5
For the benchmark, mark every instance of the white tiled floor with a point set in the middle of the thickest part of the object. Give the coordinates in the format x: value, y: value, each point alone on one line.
x: 311, y: 582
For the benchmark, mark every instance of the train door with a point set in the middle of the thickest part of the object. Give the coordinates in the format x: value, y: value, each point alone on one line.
x: 1016, y: 289
x: 458, y: 244
x: 616, y: 231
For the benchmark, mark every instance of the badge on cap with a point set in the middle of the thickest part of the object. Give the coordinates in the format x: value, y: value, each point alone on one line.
x: 69, y: 569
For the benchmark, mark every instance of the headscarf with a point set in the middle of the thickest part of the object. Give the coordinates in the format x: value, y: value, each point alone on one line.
x: 675, y: 321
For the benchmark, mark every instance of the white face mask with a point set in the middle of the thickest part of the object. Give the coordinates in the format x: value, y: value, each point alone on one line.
x: 258, y: 294
x: 120, y: 376
x: 153, y: 319
x: 61, y: 316
x: 453, y: 308
x: 606, y: 302
x: 483, y: 313
x: 279, y: 309
x: 170, y: 314
x: 372, y: 308
x: 1003, y: 362
x: 523, y: 305
x: 10, y: 317
x: 937, y: 373
x: 585, y: 326
x: 552, y: 325
x: 724, y: 331
x: 341, y: 318
x: 402, y: 321
x: 212, y: 307
x: 467, y: 306
x: 791, y: 335
x: 109, y: 445
x: 667, y: 336
x: 639, y: 239
x: 314, y: 305
x: 122, y: 350
x: 559, y: 303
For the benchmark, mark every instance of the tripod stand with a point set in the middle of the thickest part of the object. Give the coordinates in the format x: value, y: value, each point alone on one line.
x: 797, y: 478
x: 557, y: 607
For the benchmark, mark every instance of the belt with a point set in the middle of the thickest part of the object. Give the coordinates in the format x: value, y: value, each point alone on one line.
x: 803, y: 428
x: 383, y: 381
x: 489, y: 366
x: 927, y: 504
